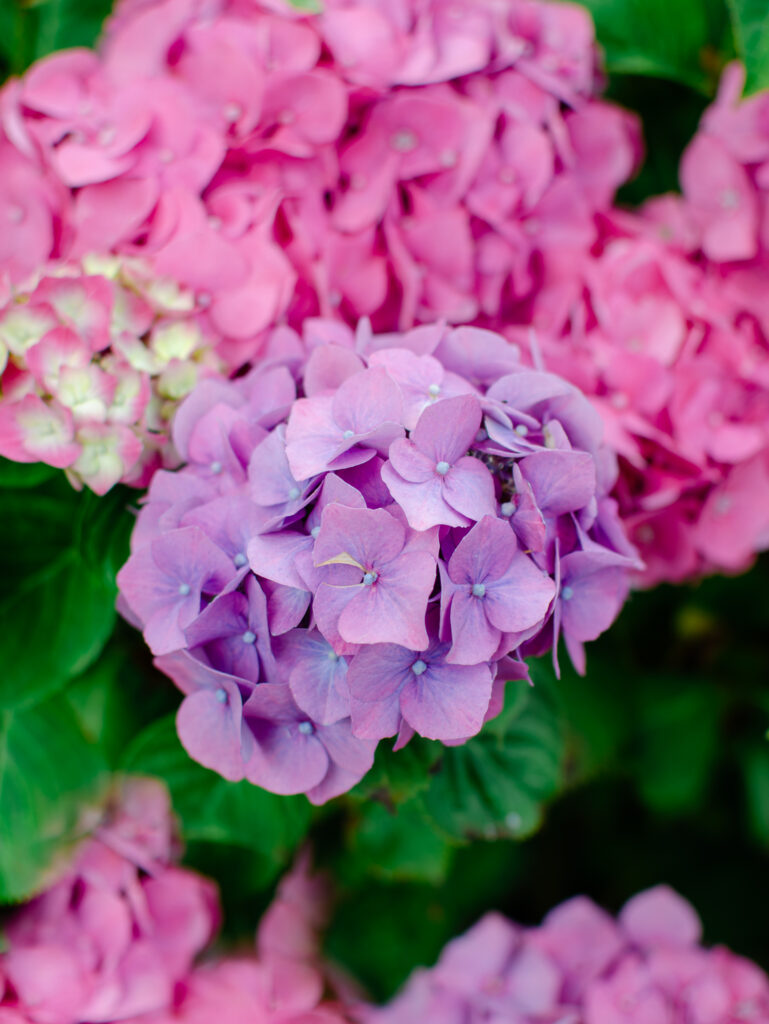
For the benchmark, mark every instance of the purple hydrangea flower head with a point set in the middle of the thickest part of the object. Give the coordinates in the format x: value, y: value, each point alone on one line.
x: 370, y: 533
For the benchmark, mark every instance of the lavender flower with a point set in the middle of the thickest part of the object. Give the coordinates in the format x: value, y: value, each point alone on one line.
x: 364, y: 543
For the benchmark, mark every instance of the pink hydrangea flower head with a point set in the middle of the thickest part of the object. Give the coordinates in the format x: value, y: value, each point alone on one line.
x: 98, y: 355
x: 647, y: 967
x: 113, y: 937
x: 404, y: 161
x: 359, y: 549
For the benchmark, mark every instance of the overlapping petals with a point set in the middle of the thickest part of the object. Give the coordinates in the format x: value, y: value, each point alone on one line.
x: 405, y: 161
x: 370, y: 532
x: 117, y: 937
x: 582, y: 965
x: 113, y: 937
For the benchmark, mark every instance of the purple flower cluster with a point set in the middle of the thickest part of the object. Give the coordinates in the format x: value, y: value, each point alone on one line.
x: 369, y: 535
x: 580, y: 966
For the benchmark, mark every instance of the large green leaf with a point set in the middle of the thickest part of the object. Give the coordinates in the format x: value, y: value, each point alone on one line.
x: 750, y: 23
x: 401, y: 844
x: 58, y: 562
x: 212, y: 809
x: 673, y: 39
x: 48, y: 774
x: 496, y: 784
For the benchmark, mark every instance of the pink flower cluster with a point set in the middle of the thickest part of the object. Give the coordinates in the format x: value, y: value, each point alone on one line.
x: 113, y: 937
x: 116, y: 937
x: 402, y: 159
x: 94, y: 358
x: 666, y: 328
x: 369, y: 534
x: 580, y: 966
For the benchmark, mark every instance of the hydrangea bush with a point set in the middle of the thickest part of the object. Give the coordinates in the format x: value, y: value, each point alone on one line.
x: 94, y: 358
x: 371, y: 531
x: 581, y: 965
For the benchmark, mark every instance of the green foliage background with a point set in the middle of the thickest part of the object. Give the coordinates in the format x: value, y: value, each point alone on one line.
x: 655, y: 767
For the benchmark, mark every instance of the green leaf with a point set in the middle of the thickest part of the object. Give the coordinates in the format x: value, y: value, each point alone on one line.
x: 24, y: 474
x: 750, y: 24
x: 58, y: 562
x: 210, y: 807
x: 674, y: 39
x: 48, y: 773
x: 496, y: 784
x: 400, y: 845
x: 120, y: 694
x: 398, y: 775
x: 54, y: 625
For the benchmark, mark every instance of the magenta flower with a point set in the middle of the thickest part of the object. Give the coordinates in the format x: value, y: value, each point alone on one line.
x: 430, y: 474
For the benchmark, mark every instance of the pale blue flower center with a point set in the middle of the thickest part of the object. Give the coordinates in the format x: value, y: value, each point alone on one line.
x: 479, y: 589
x: 184, y: 589
x: 442, y: 468
x: 305, y: 728
x: 369, y: 578
x: 348, y: 434
x: 507, y: 508
x: 216, y: 467
x: 248, y: 637
x: 419, y: 667
x: 221, y: 696
x: 315, y: 531
x: 294, y: 493
x: 522, y: 430
x: 240, y: 560
x: 434, y: 390
x: 567, y: 593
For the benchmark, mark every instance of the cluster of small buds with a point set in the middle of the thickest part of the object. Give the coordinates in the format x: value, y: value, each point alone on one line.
x: 580, y: 966
x: 116, y: 933
x: 405, y: 161
x: 94, y: 359
x: 369, y: 535
x: 116, y: 938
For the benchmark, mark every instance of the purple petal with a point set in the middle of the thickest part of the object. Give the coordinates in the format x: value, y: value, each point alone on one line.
x: 313, y: 439
x: 424, y: 504
x: 447, y: 429
x: 410, y: 462
x: 447, y: 702
x: 367, y: 537
x: 273, y: 555
x: 474, y: 638
x: 468, y: 488
x: 209, y: 723
x: 562, y: 481
x: 392, y: 609
x: 484, y: 553
x: 318, y: 676
x: 367, y: 401
x: 376, y: 676
x: 521, y: 598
